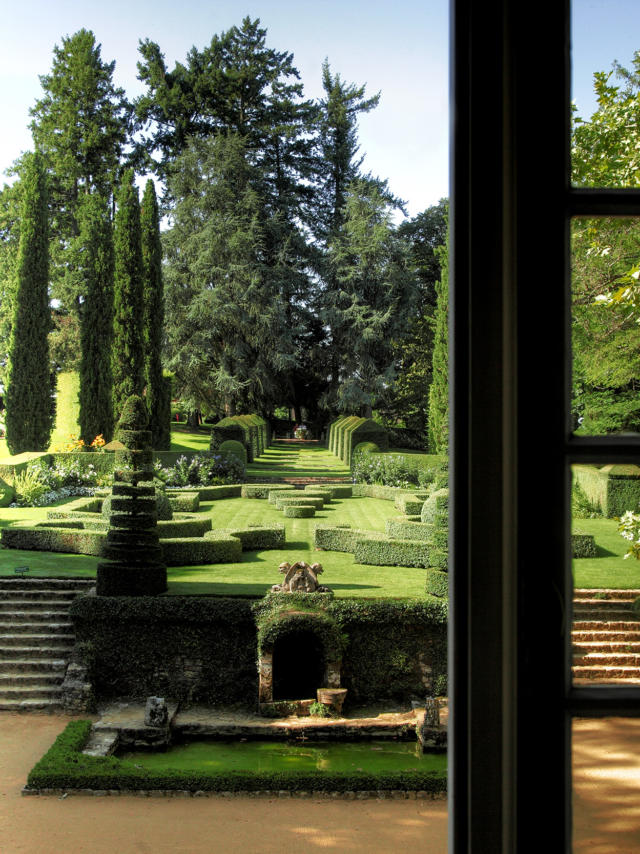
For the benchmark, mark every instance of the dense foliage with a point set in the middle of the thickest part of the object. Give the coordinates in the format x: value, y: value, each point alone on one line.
x: 29, y: 400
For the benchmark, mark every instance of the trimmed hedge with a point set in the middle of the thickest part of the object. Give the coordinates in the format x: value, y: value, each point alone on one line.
x: 213, y: 493
x: 262, y: 490
x: 258, y: 537
x: 377, y: 490
x: 325, y: 494
x: 384, y: 552
x: 184, y: 502
x: 64, y: 766
x: 285, y: 500
x: 437, y: 503
x: 342, y: 491
x: 202, y: 649
x: 348, y: 431
x: 214, y: 547
x: 299, y: 511
x: 614, y: 488
x: 408, y: 528
x: 437, y: 583
x: 62, y: 540
x: 409, y: 504
x: 583, y: 545
x: 251, y: 431
x: 338, y: 538
x: 234, y: 449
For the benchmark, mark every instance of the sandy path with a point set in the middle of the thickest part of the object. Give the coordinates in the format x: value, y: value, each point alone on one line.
x: 606, y: 809
x: 124, y: 825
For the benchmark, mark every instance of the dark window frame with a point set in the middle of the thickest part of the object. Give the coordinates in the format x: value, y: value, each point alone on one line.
x: 511, y: 697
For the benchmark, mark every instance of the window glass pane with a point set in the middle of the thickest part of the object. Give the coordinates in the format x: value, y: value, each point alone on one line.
x: 605, y: 88
x: 606, y: 785
x: 605, y: 293
x: 605, y: 636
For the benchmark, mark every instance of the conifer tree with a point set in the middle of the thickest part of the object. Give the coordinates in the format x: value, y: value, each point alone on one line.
x: 153, y: 318
x: 128, y: 303
x: 439, y: 390
x: 29, y: 415
x: 96, y: 329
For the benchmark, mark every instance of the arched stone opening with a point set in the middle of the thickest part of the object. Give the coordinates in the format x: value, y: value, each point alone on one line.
x: 298, y: 665
x: 301, y: 654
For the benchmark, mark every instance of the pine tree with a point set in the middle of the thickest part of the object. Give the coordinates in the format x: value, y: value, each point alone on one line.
x: 439, y: 390
x: 29, y: 415
x: 374, y: 296
x: 96, y: 329
x: 128, y: 302
x: 81, y: 125
x: 153, y: 317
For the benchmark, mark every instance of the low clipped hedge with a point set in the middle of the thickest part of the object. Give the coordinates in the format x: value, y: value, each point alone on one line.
x: 408, y: 528
x: 325, y: 494
x: 62, y: 540
x: 214, y: 547
x: 184, y: 502
x: 377, y: 490
x: 235, y: 449
x: 285, y: 500
x: 64, y: 766
x: 213, y: 493
x: 262, y: 490
x: 384, y: 552
x: 299, y: 511
x: 342, y: 491
x: 337, y: 538
x: 409, y: 504
x: 260, y: 537
x: 583, y: 545
x: 437, y: 583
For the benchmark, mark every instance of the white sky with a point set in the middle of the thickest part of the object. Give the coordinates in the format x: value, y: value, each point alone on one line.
x: 398, y: 48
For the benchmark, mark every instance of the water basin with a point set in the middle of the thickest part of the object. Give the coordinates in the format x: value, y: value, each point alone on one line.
x: 375, y: 756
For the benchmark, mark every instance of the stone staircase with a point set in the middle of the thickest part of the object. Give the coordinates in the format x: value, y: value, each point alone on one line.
x: 605, y: 637
x: 36, y: 639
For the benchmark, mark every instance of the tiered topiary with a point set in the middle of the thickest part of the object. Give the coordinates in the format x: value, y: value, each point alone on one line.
x: 133, y: 565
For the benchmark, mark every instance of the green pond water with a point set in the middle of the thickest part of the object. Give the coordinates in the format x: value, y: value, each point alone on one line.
x: 338, y: 757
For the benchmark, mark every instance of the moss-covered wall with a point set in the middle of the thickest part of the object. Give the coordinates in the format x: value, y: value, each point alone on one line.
x: 204, y: 650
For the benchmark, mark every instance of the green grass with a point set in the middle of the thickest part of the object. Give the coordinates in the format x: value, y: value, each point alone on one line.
x: 257, y: 571
x: 284, y: 459
x: 183, y: 438
x: 609, y: 569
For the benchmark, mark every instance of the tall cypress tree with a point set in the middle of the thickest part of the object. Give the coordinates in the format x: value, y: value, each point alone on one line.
x: 439, y: 390
x: 153, y: 317
x: 128, y: 303
x: 96, y: 330
x: 29, y: 417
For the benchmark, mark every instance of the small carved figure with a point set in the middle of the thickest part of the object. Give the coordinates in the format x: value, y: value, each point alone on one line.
x: 300, y: 578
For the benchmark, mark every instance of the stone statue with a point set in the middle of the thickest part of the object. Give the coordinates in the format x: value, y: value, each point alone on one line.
x: 300, y: 578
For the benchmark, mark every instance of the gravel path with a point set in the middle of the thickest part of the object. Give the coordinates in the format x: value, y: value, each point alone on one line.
x: 606, y: 809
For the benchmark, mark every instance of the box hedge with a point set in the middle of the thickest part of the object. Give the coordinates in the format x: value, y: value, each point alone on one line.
x: 262, y: 490
x: 258, y: 537
x: 407, y: 528
x: 386, y: 552
x: 348, y: 431
x: 214, y: 547
x: 437, y: 583
x: 337, y: 538
x: 583, y: 545
x: 65, y: 767
x: 613, y: 488
x: 285, y: 499
x: 299, y: 511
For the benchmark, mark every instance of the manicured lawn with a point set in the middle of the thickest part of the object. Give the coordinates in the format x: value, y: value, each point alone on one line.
x: 257, y: 571
x: 185, y: 439
x: 290, y: 459
x: 609, y: 569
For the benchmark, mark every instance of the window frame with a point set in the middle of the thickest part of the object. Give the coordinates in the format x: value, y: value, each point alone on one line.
x: 511, y: 697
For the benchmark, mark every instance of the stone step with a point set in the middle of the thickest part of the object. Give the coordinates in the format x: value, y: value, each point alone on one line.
x: 626, y: 659
x: 607, y: 645
x: 40, y: 628
x: 604, y: 593
x: 58, y: 596
x: 30, y: 705
x: 31, y: 679
x: 40, y: 639
x: 604, y: 614
x: 50, y: 652
x: 586, y: 635
x: 606, y: 625
x: 25, y: 583
x: 54, y: 666
x: 22, y: 604
x: 602, y: 672
x: 44, y: 616
x: 29, y: 693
